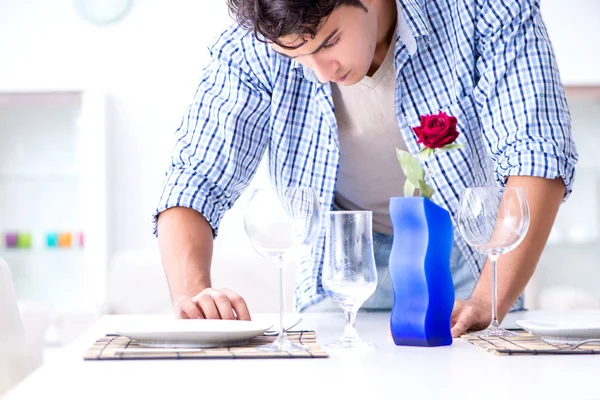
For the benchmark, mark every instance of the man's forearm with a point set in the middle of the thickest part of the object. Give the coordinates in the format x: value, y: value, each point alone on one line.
x: 516, y: 267
x: 186, y: 244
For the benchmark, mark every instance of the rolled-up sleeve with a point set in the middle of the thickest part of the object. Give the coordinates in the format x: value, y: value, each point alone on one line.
x: 219, y: 143
x: 522, y: 108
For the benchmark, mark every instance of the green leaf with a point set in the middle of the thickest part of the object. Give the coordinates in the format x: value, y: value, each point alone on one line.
x: 425, y: 189
x: 410, y: 166
x: 424, y: 154
x: 450, y: 147
x: 409, y: 189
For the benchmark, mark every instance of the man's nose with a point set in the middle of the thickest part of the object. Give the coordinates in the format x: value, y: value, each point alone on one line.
x: 325, y: 69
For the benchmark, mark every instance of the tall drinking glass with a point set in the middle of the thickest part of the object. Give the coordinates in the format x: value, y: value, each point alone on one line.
x: 494, y: 221
x: 349, y: 273
x: 279, y: 221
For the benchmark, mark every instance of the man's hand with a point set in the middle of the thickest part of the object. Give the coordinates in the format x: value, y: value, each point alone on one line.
x: 470, y: 314
x: 212, y: 304
x: 544, y: 197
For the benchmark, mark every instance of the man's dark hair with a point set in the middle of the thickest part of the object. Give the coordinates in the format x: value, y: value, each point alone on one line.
x: 273, y: 19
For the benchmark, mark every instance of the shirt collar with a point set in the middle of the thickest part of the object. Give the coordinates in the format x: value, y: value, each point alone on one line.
x: 414, y: 16
x: 409, y: 11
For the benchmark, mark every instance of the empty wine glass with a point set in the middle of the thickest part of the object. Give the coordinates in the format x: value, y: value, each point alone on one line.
x: 494, y: 221
x: 349, y: 274
x: 278, y: 222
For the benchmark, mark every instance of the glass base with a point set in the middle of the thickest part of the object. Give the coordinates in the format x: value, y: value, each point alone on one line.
x: 283, y: 345
x: 494, y: 330
x: 354, y: 343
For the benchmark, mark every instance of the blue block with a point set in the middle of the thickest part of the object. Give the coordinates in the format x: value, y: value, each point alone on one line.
x: 52, y: 239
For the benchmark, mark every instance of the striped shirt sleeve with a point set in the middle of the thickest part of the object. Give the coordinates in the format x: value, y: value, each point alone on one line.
x: 220, y: 142
x: 521, y: 103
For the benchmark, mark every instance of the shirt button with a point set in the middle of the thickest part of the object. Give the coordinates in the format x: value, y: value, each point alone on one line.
x: 331, y: 147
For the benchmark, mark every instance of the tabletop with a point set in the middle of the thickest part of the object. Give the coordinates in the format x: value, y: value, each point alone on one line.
x: 388, y: 371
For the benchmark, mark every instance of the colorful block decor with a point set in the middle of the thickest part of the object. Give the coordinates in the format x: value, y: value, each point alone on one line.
x: 65, y: 239
x: 10, y: 240
x: 24, y: 240
x: 52, y: 239
x: 81, y: 239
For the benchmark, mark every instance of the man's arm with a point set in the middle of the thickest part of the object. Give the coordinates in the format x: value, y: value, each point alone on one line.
x: 516, y: 267
x: 186, y: 245
x: 525, y: 123
x: 220, y: 142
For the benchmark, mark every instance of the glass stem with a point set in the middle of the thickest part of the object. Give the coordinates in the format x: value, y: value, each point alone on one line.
x: 350, y: 329
x: 494, y: 259
x: 282, y: 334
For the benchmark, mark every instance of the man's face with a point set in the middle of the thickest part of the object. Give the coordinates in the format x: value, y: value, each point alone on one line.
x: 343, y: 49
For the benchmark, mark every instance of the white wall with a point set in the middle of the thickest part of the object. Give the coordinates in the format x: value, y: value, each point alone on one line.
x: 148, y: 64
x: 574, y: 28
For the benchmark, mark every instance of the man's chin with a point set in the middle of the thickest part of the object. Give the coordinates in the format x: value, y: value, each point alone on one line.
x: 352, y: 79
x: 346, y: 82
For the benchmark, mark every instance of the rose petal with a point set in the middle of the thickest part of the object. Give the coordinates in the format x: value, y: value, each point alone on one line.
x: 436, y: 130
x: 453, y: 123
x: 440, y: 121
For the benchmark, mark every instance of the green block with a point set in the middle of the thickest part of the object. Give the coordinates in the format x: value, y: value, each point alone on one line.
x: 24, y: 240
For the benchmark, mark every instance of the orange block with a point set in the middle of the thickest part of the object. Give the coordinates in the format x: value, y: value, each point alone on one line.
x: 65, y: 240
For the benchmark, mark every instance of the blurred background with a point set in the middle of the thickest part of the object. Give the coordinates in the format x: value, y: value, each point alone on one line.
x: 91, y: 92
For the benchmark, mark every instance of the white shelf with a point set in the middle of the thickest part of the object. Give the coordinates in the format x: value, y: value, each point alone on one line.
x: 38, y: 249
x: 39, y: 175
x: 53, y: 175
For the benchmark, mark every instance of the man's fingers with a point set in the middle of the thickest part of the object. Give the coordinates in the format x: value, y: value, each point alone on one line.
x: 187, y: 309
x: 206, y: 303
x: 223, y: 304
x: 459, y: 306
x: 461, y: 325
x: 465, y: 318
x: 213, y: 304
x: 239, y: 305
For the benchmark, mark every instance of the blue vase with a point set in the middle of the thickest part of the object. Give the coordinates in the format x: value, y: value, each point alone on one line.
x: 420, y: 272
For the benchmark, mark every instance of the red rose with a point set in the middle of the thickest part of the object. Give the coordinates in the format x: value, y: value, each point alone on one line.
x: 436, y: 131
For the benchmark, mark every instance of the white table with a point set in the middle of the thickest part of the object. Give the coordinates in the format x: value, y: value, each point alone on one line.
x: 388, y: 372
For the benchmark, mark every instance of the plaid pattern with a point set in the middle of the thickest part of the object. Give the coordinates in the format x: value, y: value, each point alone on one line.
x: 527, y: 344
x: 489, y: 63
x: 115, y: 347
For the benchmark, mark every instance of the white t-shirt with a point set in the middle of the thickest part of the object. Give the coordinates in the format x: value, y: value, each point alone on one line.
x: 369, y: 172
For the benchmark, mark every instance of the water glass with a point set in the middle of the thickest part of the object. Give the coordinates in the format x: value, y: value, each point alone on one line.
x: 278, y: 222
x: 494, y: 220
x: 349, y: 273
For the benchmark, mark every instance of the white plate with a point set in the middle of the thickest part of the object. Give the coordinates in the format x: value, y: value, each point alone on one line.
x: 171, y: 332
x: 565, y: 328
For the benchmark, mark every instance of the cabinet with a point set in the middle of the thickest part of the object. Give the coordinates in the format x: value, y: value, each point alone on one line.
x: 53, y: 195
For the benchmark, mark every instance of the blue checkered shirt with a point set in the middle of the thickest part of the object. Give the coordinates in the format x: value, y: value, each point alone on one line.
x: 489, y: 63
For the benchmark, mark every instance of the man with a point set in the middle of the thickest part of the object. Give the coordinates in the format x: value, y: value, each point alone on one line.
x: 329, y: 88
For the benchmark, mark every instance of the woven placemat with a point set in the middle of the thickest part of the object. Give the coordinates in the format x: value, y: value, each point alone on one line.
x: 526, y: 344
x: 111, y: 347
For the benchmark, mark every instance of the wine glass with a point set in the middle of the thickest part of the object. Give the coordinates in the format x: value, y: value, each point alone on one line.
x: 494, y: 221
x: 279, y: 221
x: 349, y: 274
